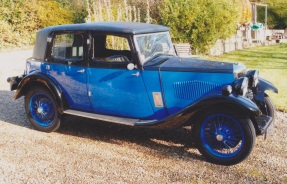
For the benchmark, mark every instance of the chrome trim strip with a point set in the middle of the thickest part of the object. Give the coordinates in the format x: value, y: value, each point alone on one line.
x: 119, y: 120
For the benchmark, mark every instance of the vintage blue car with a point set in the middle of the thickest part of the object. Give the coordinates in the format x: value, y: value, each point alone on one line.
x: 129, y: 73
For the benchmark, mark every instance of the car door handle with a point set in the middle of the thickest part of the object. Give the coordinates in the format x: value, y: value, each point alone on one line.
x: 48, y: 67
x: 136, y: 74
x: 81, y: 71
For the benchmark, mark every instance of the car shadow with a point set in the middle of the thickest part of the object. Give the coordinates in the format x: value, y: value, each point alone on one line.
x: 176, y: 143
x: 12, y: 111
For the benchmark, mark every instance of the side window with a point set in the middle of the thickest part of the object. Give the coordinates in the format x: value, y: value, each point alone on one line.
x: 67, y: 49
x: 111, y: 49
x: 117, y: 43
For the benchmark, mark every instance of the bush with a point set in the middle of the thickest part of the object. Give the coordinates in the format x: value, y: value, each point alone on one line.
x: 20, y: 19
x: 277, y: 14
x: 51, y: 13
x: 6, y: 35
x: 198, y: 22
x: 246, y: 12
x: 113, y: 10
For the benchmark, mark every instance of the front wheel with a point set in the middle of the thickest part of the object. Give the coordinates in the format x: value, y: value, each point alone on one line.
x: 270, y: 107
x: 41, y: 109
x: 224, y: 137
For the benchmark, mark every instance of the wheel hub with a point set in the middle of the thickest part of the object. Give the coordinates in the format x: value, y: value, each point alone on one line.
x: 219, y: 137
x: 40, y: 110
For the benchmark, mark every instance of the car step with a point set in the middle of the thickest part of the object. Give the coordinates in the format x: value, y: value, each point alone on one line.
x: 113, y: 119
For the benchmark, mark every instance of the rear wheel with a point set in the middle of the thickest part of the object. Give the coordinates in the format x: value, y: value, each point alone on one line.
x: 224, y: 137
x: 41, y: 109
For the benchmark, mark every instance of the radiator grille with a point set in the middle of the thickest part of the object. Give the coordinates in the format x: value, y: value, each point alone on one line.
x: 195, y: 89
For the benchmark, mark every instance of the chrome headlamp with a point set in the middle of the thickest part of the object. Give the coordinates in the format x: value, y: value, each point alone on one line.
x: 28, y: 67
x: 253, y: 76
x: 241, y: 86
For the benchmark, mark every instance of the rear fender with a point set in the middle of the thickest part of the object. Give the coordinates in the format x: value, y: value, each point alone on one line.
x: 37, y: 78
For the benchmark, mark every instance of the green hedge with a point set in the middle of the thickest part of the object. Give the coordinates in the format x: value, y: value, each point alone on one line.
x: 277, y: 13
x: 198, y: 22
x: 20, y: 19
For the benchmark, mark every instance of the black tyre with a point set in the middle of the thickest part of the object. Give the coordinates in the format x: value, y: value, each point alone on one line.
x: 224, y: 137
x: 270, y: 108
x: 41, y: 109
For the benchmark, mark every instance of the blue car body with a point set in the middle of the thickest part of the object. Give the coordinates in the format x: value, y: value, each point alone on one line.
x: 180, y: 84
x: 129, y: 73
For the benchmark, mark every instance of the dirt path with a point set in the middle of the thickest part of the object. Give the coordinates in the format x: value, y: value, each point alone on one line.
x: 85, y: 151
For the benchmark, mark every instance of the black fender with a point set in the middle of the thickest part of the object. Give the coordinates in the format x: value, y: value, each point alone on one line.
x: 41, y: 79
x: 262, y: 86
x: 14, y: 81
x: 242, y: 104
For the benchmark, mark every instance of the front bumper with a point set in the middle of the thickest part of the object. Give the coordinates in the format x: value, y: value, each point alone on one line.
x: 263, y: 122
x: 14, y: 81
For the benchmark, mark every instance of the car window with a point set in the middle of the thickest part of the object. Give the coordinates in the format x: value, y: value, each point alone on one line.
x: 152, y: 44
x: 67, y: 49
x: 111, y: 49
x: 117, y: 43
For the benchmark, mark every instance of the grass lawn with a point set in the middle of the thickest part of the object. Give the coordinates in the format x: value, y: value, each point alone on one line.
x: 271, y: 61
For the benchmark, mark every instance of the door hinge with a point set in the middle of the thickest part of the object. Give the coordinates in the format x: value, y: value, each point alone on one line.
x: 136, y: 74
x: 81, y: 71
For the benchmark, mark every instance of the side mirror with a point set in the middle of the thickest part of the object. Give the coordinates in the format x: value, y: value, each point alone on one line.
x: 130, y: 66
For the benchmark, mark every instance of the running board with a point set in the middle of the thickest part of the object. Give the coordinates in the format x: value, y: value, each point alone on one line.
x: 113, y: 119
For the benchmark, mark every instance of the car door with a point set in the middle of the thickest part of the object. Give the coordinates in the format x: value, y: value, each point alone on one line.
x: 67, y: 61
x: 113, y: 89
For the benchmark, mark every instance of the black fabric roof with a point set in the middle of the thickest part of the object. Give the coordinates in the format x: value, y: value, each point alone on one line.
x: 111, y: 27
x: 104, y: 27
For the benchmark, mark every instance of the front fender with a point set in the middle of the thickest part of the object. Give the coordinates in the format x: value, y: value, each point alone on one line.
x: 263, y: 85
x: 242, y: 104
x: 37, y: 78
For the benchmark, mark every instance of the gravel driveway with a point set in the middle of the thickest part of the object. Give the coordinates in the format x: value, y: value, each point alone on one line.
x: 86, y: 151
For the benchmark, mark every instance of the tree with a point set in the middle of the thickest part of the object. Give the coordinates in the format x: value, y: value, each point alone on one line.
x: 277, y: 13
x: 20, y: 19
x: 246, y: 12
x: 113, y: 10
x: 149, y: 9
x: 52, y: 13
x: 201, y: 23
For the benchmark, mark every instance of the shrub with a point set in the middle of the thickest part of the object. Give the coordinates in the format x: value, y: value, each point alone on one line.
x: 6, y: 36
x: 246, y: 13
x: 20, y: 19
x: 198, y: 22
x: 113, y: 10
x: 277, y: 14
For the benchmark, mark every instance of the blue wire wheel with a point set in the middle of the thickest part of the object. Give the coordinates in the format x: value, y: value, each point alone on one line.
x: 42, y: 109
x: 222, y: 135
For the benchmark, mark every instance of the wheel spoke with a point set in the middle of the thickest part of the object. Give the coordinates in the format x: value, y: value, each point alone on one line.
x: 231, y: 144
x: 222, y: 135
x: 42, y: 109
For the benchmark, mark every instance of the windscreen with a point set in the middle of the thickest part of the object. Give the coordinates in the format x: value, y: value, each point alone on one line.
x: 150, y: 45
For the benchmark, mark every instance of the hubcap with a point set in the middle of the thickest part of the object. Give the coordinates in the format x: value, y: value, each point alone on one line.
x: 219, y: 137
x: 40, y: 110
